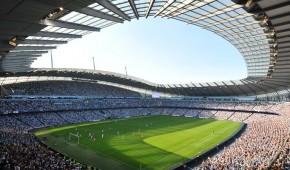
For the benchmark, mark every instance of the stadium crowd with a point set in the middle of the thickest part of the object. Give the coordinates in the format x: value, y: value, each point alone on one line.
x: 258, y: 145
x: 19, y: 150
x: 36, y: 105
x: 265, y: 139
x: 67, y: 88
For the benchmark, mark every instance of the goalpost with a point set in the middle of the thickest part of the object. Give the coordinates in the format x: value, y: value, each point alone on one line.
x: 74, y: 135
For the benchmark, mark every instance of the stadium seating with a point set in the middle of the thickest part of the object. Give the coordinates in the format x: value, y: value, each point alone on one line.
x: 66, y: 88
x: 33, y: 105
x: 265, y: 139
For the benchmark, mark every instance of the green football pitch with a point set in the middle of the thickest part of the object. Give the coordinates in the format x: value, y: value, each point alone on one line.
x: 156, y: 142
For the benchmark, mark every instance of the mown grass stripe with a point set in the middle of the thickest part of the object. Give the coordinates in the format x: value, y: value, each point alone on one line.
x: 128, y: 152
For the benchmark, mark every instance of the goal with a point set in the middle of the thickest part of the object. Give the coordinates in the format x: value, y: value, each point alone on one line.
x: 71, y: 136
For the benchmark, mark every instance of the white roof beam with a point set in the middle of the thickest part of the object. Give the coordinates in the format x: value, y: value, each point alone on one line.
x: 108, y: 5
x: 48, y: 22
x: 133, y: 6
x: 149, y: 8
x: 29, y: 41
x: 87, y: 11
x: 27, y: 48
x: 68, y: 25
x: 18, y: 53
x: 40, y: 34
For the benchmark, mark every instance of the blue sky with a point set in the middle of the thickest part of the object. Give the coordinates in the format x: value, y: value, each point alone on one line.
x: 158, y: 50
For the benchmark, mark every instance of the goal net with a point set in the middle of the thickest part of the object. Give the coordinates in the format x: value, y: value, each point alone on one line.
x: 74, y: 137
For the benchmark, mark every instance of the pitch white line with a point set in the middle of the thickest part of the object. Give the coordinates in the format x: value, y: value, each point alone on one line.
x: 182, y: 149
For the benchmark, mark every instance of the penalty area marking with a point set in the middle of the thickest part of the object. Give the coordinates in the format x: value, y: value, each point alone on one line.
x: 109, y: 157
x: 71, y: 143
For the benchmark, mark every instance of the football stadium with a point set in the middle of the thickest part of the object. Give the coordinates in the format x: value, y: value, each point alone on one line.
x: 88, y: 119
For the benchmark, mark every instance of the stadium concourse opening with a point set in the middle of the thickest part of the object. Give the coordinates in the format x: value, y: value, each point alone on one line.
x: 92, y: 119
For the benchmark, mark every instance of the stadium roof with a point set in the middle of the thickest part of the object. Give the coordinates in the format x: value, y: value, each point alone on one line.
x: 245, y: 87
x: 259, y: 29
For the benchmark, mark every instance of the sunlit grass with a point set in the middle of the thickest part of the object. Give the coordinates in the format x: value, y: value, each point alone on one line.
x: 157, y: 142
